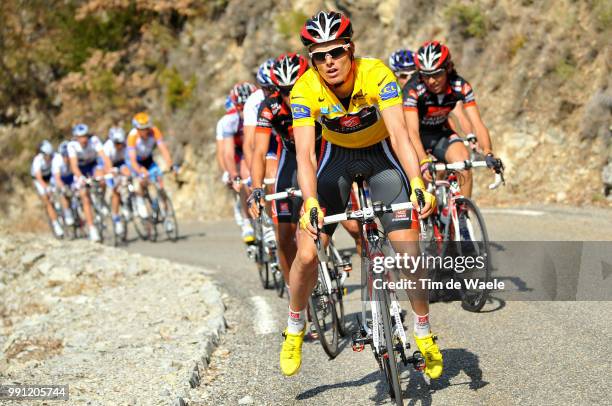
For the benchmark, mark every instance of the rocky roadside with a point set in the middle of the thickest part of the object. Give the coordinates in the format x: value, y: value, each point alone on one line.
x: 118, y: 328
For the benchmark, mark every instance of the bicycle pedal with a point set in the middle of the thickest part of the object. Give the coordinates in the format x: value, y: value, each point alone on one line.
x: 418, y: 361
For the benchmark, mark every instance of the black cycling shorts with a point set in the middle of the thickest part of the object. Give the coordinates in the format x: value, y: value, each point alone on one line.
x: 381, y: 170
x: 287, y: 210
x: 437, y: 143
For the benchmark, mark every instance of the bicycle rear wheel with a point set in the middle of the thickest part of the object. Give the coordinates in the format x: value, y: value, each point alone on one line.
x: 474, y: 293
x: 391, y: 356
x: 325, y: 319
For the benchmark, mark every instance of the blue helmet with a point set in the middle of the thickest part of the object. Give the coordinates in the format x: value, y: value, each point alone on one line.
x: 402, y: 60
x: 263, y: 73
x: 228, y: 104
x: 80, y: 130
x: 63, y: 148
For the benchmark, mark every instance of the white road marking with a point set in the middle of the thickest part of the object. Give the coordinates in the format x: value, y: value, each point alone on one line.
x: 519, y: 212
x: 263, y: 321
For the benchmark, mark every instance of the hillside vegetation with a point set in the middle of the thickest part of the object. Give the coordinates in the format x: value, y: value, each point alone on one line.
x: 540, y: 69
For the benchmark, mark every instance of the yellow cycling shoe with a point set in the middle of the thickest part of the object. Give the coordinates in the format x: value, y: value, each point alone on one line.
x: 291, y: 353
x: 433, y: 357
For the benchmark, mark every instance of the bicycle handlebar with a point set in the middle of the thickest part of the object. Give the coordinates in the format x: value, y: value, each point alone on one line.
x: 283, y: 195
x: 368, y: 212
x: 458, y: 166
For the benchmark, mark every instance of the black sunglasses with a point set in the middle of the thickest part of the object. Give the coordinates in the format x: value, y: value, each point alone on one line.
x: 436, y: 74
x: 335, y: 53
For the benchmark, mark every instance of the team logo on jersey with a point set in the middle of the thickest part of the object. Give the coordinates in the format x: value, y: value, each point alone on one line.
x: 350, y: 121
x: 283, y: 208
x: 300, y: 111
x: 389, y: 91
x: 267, y: 114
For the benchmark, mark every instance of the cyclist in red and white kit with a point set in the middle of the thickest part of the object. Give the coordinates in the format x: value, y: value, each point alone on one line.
x: 231, y: 131
x: 427, y: 105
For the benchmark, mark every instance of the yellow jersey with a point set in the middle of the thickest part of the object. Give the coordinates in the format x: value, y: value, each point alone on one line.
x: 359, y: 126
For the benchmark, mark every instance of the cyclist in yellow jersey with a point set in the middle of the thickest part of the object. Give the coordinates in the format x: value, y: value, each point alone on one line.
x: 358, y: 103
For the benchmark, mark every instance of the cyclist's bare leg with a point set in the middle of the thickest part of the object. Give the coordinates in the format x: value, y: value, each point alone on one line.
x: 46, y: 201
x: 406, y: 242
x: 458, y: 152
x: 86, y: 206
x: 303, y: 274
x: 286, y: 247
x: 352, y: 227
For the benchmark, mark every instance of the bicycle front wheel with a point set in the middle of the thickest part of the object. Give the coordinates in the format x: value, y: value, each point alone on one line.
x: 391, y: 356
x: 474, y: 242
x: 325, y: 319
x: 170, y: 223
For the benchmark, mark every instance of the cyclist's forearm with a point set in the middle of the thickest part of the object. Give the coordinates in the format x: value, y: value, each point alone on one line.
x: 230, y: 163
x: 220, y: 159
x: 163, y: 148
x: 307, y: 177
x: 39, y: 178
x: 415, y: 136
x: 258, y: 168
x: 484, y: 139
x: 248, y: 145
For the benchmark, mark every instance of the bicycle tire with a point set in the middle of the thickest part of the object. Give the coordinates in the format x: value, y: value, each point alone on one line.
x: 318, y: 313
x: 339, y: 304
x: 263, y: 267
x: 279, y: 282
x: 170, y: 214
x: 473, y: 300
x: 390, y: 358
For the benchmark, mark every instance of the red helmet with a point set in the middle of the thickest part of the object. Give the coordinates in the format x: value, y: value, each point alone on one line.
x: 324, y: 27
x: 241, y: 92
x: 287, y: 69
x: 432, y: 57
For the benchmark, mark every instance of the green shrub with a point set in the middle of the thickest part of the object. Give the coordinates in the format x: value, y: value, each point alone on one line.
x: 603, y: 12
x: 288, y: 24
x: 178, y: 93
x: 470, y: 19
x: 565, y: 68
x: 516, y: 43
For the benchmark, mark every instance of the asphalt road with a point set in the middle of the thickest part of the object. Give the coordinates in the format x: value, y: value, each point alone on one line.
x: 557, y: 351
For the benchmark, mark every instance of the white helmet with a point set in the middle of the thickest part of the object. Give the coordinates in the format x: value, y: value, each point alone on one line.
x: 46, y: 148
x: 117, y: 135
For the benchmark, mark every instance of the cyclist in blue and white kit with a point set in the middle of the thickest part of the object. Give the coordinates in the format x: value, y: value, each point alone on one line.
x: 62, y: 179
x: 84, y: 151
x: 115, y: 150
x: 41, y: 176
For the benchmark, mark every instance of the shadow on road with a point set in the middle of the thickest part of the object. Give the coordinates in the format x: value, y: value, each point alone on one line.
x: 455, y: 361
x: 310, y: 393
x: 415, y: 388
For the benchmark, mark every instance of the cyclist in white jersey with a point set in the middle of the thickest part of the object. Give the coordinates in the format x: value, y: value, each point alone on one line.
x: 41, y: 175
x: 62, y: 178
x: 231, y: 130
x: 84, y: 152
x: 225, y: 177
x: 115, y: 150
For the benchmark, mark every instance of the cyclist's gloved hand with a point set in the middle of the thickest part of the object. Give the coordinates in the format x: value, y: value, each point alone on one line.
x: 309, y: 204
x: 425, y: 162
x: 225, y: 178
x: 256, y: 196
x: 430, y: 200
x: 491, y: 161
x: 237, y: 183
